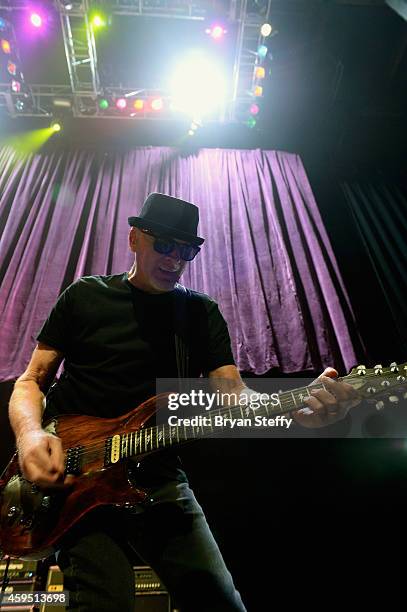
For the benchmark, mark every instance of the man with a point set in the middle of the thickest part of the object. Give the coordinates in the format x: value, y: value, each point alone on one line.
x: 118, y: 334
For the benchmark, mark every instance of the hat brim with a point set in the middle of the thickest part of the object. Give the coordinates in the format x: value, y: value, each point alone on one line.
x: 165, y: 229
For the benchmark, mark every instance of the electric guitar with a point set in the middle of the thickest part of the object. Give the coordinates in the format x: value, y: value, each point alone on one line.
x: 32, y: 521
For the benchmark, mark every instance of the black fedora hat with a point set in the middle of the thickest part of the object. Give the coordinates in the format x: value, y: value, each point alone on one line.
x: 167, y: 215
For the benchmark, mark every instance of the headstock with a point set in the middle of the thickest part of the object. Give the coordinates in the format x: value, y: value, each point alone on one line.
x: 379, y: 381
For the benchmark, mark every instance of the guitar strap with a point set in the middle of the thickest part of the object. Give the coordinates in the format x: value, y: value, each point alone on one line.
x: 181, y: 325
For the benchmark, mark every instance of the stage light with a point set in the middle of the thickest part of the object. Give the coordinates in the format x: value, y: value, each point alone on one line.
x: 36, y: 20
x: 103, y: 104
x: 254, y: 109
x: 251, y: 122
x: 262, y: 51
x: 121, y: 103
x: 198, y: 86
x: 56, y: 126
x: 191, y: 132
x: 260, y: 72
x: 157, y: 104
x: 265, y: 29
x: 3, y: 24
x: 258, y: 91
x: 216, y: 31
x: 98, y: 21
x: 5, y: 45
x: 138, y: 104
x: 11, y: 68
x: 20, y: 105
x: 15, y: 86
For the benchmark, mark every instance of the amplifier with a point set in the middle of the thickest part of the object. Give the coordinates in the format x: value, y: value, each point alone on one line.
x: 151, y: 594
x: 18, y: 569
x: 55, y: 584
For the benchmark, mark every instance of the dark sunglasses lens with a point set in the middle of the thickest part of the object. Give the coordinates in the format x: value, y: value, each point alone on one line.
x: 188, y: 252
x: 163, y: 246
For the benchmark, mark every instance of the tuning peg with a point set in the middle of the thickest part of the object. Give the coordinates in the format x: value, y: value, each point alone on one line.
x: 379, y: 405
x: 378, y: 369
x: 361, y: 370
x: 393, y: 399
x: 393, y: 367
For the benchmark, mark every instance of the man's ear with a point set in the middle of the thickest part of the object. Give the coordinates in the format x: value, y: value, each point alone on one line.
x: 133, y: 239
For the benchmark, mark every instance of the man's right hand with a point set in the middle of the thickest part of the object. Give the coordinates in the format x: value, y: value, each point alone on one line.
x: 42, y: 460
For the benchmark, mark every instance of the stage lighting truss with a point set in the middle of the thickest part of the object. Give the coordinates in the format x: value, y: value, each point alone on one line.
x: 85, y: 92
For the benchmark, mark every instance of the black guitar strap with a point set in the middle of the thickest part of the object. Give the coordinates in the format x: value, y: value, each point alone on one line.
x: 181, y: 326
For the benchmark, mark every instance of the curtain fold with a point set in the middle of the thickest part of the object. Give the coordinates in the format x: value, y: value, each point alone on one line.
x: 266, y: 259
x: 379, y: 207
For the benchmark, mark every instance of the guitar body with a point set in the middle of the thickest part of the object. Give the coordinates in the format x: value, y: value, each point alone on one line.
x: 32, y: 521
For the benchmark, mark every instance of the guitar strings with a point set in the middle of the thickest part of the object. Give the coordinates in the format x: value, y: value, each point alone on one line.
x: 93, y: 448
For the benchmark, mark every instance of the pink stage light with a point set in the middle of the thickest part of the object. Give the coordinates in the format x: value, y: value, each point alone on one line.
x: 216, y: 32
x: 36, y: 20
x: 121, y: 103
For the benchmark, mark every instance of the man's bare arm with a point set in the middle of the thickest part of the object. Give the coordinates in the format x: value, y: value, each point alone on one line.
x: 40, y: 454
x: 26, y: 402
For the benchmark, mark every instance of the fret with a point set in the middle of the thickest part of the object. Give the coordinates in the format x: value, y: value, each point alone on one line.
x: 131, y: 444
x: 293, y: 396
x: 266, y: 409
x: 147, y: 439
x: 140, y: 440
x: 185, y: 433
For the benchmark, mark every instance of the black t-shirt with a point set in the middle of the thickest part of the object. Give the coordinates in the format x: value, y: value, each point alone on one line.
x: 117, y: 340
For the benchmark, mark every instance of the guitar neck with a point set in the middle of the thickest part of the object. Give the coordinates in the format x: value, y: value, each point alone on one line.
x: 214, y: 422
x: 176, y: 431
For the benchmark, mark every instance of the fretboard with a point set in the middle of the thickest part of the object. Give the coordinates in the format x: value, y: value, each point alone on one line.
x: 214, y: 422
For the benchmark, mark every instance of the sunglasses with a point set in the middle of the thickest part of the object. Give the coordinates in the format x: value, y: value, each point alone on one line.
x: 165, y: 246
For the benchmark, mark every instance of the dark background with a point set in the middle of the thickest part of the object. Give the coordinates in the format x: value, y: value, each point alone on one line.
x: 299, y: 519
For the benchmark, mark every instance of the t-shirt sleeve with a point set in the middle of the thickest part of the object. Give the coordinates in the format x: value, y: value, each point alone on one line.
x: 57, y: 328
x: 219, y: 351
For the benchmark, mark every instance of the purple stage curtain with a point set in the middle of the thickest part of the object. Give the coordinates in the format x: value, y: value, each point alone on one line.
x: 267, y: 259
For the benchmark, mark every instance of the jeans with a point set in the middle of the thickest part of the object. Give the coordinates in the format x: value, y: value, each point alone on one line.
x: 170, y: 534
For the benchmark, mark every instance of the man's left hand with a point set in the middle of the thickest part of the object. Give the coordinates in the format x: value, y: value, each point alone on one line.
x: 328, y: 405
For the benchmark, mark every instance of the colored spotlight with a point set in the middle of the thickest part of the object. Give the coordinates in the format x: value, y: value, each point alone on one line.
x: 216, y: 32
x: 262, y: 51
x: 5, y: 45
x: 11, y: 68
x: 138, y: 104
x: 56, y: 127
x: 103, y: 104
x: 260, y: 72
x: 157, y: 104
x: 98, y: 21
x: 254, y: 109
x: 258, y: 91
x: 251, y: 122
x: 121, y: 103
x: 265, y: 29
x: 15, y: 86
x: 3, y: 24
x: 36, y: 20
